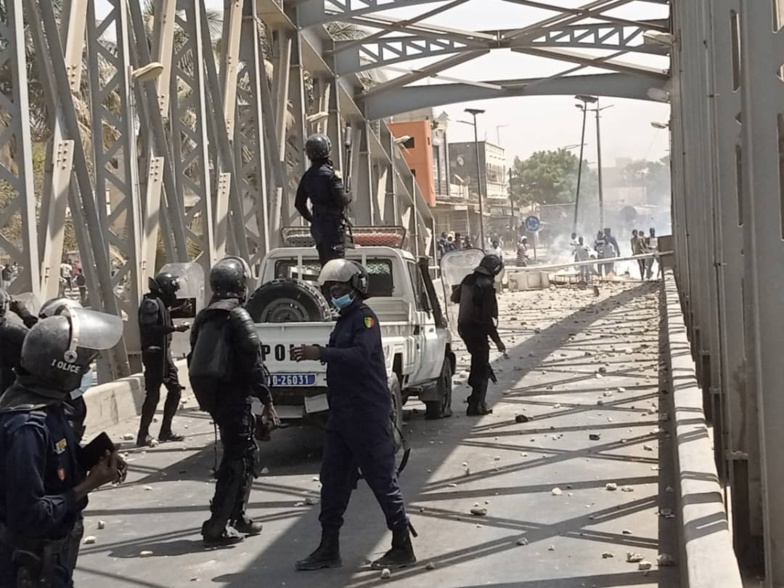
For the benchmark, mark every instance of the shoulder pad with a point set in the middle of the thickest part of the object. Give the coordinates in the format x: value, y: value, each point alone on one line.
x: 243, y: 327
x: 149, y: 306
x: 23, y: 417
x: 337, y: 174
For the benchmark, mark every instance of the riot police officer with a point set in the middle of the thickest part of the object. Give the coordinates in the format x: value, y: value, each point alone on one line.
x: 359, y: 431
x: 323, y: 187
x: 476, y: 322
x: 12, y: 336
x: 223, y: 333
x: 156, y: 327
x: 43, y: 483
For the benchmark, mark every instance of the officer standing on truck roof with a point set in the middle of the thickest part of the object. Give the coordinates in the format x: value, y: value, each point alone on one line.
x: 226, y: 348
x: 359, y: 431
x: 322, y: 185
x: 156, y: 328
x: 43, y: 482
x: 477, y: 320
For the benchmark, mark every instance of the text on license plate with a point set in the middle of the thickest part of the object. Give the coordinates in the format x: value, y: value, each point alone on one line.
x: 285, y: 380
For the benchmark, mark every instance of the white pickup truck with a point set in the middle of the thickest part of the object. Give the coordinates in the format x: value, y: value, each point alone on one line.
x: 289, y: 310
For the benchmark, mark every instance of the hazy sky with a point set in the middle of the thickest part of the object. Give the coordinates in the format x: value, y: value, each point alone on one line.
x: 530, y: 124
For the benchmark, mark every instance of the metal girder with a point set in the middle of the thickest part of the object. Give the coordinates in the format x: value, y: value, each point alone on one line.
x: 189, y: 132
x: 407, y: 99
x: 356, y: 56
x: 762, y: 97
x: 115, y: 157
x: 16, y: 156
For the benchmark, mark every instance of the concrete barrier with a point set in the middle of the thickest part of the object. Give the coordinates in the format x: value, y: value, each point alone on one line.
x: 707, y: 559
x: 115, y: 402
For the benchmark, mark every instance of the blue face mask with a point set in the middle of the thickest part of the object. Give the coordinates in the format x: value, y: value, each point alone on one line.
x: 87, y: 381
x: 342, y: 302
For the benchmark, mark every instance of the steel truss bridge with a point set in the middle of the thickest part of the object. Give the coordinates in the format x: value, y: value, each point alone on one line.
x: 199, y: 158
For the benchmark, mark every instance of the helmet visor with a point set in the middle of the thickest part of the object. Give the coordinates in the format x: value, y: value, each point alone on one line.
x: 94, y: 330
x: 337, y: 270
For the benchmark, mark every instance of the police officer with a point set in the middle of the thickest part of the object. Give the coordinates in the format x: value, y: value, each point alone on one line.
x: 477, y: 320
x: 323, y: 187
x: 245, y: 377
x: 359, y: 431
x: 43, y: 485
x: 12, y: 336
x: 156, y: 327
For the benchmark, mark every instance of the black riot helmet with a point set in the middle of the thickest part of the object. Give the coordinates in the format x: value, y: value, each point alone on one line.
x: 5, y: 302
x: 229, y: 278
x: 165, y: 285
x: 57, y: 306
x: 318, y: 147
x: 58, y: 350
x: 491, y: 265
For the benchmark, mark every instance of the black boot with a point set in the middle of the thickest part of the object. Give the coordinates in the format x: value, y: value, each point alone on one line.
x: 326, y: 556
x: 169, y: 410
x: 239, y: 520
x: 401, y: 555
x: 143, y: 438
x: 216, y: 531
x: 476, y: 402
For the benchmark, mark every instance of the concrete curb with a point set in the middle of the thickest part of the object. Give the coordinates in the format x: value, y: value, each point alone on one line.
x: 115, y: 402
x: 707, y: 558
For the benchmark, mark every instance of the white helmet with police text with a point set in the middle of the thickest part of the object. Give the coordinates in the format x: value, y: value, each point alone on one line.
x: 344, y: 271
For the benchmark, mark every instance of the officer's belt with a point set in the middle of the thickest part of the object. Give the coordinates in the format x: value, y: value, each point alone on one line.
x: 52, y: 546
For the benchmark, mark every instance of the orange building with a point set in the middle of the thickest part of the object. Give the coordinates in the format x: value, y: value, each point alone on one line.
x: 418, y: 151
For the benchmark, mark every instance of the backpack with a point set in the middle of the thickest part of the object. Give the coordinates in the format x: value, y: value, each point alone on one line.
x: 210, y: 360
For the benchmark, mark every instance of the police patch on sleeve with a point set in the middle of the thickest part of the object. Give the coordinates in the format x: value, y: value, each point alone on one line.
x: 369, y: 322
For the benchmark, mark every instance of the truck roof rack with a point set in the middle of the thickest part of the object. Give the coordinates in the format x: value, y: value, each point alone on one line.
x: 362, y: 237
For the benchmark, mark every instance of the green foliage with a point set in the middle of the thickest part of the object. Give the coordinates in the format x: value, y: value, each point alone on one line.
x: 550, y: 177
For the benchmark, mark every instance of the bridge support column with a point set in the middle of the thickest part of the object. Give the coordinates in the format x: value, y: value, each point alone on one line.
x: 763, y: 147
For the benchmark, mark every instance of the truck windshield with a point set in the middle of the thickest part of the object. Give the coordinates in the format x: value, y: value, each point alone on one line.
x: 379, y: 271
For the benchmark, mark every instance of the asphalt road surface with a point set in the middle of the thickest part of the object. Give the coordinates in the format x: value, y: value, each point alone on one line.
x: 568, y: 494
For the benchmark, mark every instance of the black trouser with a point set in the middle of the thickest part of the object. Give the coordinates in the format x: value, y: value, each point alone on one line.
x: 237, y: 468
x: 478, y: 346
x: 32, y: 567
x: 369, y: 447
x: 159, y: 370
x: 329, y: 235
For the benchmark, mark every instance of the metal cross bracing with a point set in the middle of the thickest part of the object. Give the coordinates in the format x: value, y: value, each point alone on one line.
x: 163, y: 145
x: 591, y: 36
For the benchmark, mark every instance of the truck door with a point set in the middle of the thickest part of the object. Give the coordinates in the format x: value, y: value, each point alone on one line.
x: 431, y: 343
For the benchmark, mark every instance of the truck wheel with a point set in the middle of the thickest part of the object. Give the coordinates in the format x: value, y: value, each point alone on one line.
x: 288, y: 301
x: 396, y: 409
x: 441, y: 408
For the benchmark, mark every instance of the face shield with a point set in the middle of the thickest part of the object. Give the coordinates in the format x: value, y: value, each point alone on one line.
x: 92, y: 330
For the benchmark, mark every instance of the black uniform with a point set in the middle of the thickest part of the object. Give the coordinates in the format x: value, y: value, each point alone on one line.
x: 476, y: 322
x: 11, y: 339
x: 39, y: 468
x: 232, y: 413
x: 156, y: 326
x: 323, y: 186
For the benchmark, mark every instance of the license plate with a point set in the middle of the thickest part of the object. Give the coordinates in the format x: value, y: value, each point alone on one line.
x: 293, y: 380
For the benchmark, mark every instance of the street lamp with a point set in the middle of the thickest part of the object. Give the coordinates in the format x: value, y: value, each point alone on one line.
x: 584, y: 107
x: 661, y: 126
x: 586, y: 100
x: 146, y: 73
x: 475, y: 112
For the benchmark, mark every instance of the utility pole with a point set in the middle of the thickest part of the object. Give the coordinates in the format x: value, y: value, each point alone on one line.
x: 474, y: 112
x: 586, y: 100
x: 599, y: 164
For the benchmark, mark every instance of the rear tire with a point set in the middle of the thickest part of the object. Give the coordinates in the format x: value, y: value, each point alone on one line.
x: 441, y: 408
x: 288, y: 301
